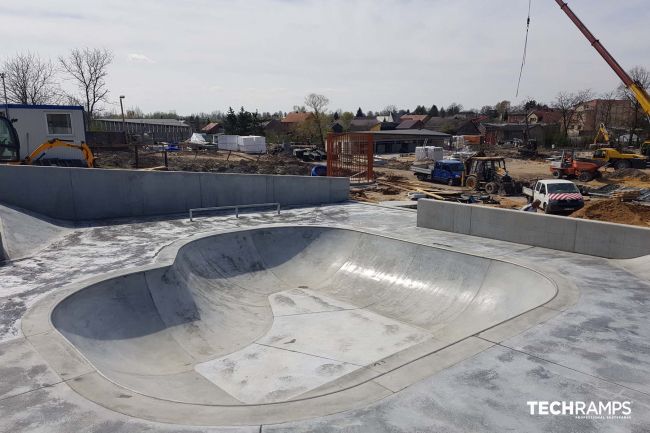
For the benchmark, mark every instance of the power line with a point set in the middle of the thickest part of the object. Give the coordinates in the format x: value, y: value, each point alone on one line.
x: 523, y: 60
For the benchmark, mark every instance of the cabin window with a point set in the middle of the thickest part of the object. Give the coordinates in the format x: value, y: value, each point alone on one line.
x: 59, y: 124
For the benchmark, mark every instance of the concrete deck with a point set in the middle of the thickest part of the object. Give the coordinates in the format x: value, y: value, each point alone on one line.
x: 590, y: 342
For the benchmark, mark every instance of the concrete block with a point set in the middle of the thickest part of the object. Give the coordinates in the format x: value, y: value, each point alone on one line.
x: 45, y: 190
x: 438, y: 215
x: 614, y: 241
x: 233, y: 189
x: 169, y: 193
x: 293, y: 190
x: 339, y: 189
x: 540, y: 230
x: 83, y: 194
x: 101, y: 194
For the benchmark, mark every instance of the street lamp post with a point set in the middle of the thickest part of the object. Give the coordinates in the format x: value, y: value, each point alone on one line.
x: 126, y: 136
x: 4, y: 87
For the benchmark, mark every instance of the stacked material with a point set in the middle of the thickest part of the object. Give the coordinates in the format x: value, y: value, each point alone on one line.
x: 431, y: 153
x: 198, y: 139
x: 229, y: 142
x: 252, y: 144
x: 626, y: 194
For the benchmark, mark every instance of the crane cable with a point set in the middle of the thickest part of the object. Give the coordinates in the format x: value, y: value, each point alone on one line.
x: 523, y: 60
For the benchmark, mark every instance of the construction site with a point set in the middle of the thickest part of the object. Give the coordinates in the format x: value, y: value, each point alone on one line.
x: 158, y: 276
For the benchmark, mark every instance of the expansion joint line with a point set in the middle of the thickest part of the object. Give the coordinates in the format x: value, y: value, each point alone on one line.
x: 562, y: 365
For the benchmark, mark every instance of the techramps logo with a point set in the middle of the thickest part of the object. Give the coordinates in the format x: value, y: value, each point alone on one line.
x: 605, y: 410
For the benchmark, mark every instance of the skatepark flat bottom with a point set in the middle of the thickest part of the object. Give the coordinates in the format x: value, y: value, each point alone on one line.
x: 275, y: 324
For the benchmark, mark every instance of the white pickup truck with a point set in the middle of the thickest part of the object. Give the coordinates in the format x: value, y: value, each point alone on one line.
x: 557, y: 196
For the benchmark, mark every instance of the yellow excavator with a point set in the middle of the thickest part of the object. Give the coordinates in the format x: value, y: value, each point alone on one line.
x: 602, y: 132
x: 10, y: 147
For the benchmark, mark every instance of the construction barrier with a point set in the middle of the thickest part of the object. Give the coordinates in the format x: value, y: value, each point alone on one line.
x: 613, y: 241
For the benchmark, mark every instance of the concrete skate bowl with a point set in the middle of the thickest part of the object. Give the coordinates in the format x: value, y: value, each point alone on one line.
x: 286, y: 322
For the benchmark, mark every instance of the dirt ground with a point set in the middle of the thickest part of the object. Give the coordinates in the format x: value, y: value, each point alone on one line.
x: 206, y: 161
x: 616, y: 212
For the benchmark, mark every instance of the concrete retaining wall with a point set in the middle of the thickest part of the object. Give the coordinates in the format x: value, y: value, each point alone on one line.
x: 614, y: 241
x: 89, y: 194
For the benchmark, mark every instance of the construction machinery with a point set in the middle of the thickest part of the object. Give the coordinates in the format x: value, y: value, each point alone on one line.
x: 10, y: 148
x: 602, y: 132
x: 571, y: 167
x: 635, y: 88
x: 613, y: 158
x: 488, y: 173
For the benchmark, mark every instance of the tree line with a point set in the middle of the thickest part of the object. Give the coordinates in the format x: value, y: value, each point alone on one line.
x: 32, y: 80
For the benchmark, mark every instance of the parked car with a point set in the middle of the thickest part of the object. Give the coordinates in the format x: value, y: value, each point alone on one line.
x: 557, y: 196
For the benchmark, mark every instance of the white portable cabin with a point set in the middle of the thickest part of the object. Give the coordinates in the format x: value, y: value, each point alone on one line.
x: 432, y: 153
x: 37, y: 124
x: 252, y: 144
x: 228, y: 142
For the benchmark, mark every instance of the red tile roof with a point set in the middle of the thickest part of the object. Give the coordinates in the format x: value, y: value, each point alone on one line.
x: 420, y: 117
x: 296, y: 117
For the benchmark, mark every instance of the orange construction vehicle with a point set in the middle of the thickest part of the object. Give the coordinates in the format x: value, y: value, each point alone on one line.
x: 571, y: 167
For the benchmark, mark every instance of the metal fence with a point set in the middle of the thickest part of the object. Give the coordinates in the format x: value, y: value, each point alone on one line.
x: 351, y: 155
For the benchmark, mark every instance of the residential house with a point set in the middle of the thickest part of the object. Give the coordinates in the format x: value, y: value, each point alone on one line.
x: 391, y: 118
x: 273, y: 127
x: 296, y: 118
x: 363, y: 123
x: 544, y: 116
x: 410, y: 124
x: 499, y: 133
x: 424, y: 118
x: 516, y: 117
x: 614, y: 113
x: 212, y: 128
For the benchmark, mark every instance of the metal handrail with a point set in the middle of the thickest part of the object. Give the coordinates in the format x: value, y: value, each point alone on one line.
x: 237, y: 207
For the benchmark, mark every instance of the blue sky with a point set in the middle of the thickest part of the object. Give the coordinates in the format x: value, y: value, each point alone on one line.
x: 199, y: 55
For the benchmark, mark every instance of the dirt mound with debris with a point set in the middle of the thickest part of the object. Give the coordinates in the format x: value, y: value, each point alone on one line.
x: 615, y: 211
x: 628, y: 173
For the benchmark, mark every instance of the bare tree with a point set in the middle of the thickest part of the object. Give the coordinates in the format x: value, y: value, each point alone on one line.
x: 604, y: 109
x: 566, y: 104
x: 642, y: 77
x: 88, y: 68
x: 318, y: 104
x: 30, y: 80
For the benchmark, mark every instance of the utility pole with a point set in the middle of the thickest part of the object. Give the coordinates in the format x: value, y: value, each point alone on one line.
x: 4, y: 87
x: 126, y: 136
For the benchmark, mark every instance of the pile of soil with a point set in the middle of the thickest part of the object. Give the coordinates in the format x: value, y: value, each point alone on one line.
x: 189, y: 161
x: 615, y: 211
x: 628, y: 173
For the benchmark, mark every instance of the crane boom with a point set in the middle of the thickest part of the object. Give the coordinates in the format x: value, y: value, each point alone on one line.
x: 639, y: 92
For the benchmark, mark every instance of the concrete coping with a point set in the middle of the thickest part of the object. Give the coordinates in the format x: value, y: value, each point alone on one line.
x: 399, y: 370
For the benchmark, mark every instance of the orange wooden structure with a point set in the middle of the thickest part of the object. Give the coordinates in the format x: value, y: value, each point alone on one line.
x: 351, y: 155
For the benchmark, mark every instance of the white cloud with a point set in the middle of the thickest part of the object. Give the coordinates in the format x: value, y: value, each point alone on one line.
x: 139, y: 58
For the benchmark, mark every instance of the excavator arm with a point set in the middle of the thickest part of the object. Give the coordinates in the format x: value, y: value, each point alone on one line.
x: 602, y: 131
x: 43, y: 148
x: 637, y: 90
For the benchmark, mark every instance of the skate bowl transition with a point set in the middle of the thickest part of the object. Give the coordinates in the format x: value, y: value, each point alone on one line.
x: 279, y: 323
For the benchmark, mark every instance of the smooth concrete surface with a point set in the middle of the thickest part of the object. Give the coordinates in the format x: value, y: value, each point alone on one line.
x: 613, y: 241
x: 94, y: 194
x: 272, y: 315
x: 589, y: 343
x: 22, y: 234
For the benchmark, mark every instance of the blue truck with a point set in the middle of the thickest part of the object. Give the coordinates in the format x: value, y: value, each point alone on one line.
x: 449, y: 171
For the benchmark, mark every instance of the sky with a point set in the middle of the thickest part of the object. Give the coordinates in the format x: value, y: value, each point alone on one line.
x: 199, y: 56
